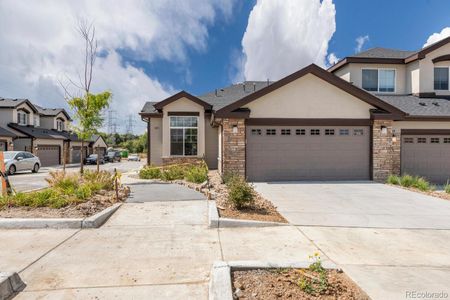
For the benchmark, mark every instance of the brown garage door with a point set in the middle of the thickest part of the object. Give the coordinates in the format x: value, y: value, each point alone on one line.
x: 76, y: 154
x: 277, y: 153
x: 427, y: 156
x: 48, y: 154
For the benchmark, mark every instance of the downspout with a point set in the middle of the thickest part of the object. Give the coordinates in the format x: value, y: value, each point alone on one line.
x: 148, y: 142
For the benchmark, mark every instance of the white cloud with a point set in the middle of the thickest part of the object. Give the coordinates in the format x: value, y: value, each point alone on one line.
x: 283, y: 36
x: 332, y: 59
x: 360, y: 41
x: 437, y: 36
x: 40, y: 45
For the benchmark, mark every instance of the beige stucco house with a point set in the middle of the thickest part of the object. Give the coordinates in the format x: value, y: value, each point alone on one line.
x: 377, y: 113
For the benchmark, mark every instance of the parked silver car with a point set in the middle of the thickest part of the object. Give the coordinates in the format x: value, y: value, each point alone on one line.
x: 16, y: 161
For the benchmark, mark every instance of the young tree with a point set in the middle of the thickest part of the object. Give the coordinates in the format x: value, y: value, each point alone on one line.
x: 86, y: 105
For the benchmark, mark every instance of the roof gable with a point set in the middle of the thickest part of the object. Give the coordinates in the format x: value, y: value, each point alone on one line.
x: 180, y: 95
x: 322, y: 74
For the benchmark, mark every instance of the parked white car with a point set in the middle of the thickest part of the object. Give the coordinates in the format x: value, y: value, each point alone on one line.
x: 134, y: 157
x: 17, y: 161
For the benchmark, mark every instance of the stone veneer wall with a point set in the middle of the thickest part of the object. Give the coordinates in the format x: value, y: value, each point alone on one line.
x: 386, y: 151
x: 233, y: 155
x: 181, y: 160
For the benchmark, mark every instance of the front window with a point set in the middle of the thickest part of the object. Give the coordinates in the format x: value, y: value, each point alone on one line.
x: 183, y: 135
x: 441, y: 78
x: 60, y: 125
x: 378, y: 80
x: 22, y: 118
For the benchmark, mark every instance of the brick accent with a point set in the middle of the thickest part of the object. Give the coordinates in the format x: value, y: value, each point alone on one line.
x: 233, y: 155
x: 386, y: 151
x: 181, y: 160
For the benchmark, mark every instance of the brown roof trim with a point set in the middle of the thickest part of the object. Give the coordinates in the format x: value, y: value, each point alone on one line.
x: 426, y: 118
x: 441, y: 58
x: 179, y: 95
x: 151, y: 115
x: 183, y: 113
x: 425, y: 131
x: 422, y: 53
x: 365, y: 60
x: 307, y: 122
x: 322, y: 74
x: 236, y: 114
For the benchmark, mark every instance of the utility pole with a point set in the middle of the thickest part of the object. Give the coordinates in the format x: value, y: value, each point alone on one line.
x: 130, y: 124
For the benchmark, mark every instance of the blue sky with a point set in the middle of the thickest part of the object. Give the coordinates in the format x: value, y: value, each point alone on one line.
x: 151, y: 49
x: 391, y: 24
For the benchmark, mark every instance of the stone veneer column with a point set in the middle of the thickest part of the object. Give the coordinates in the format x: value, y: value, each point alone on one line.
x: 233, y: 155
x: 386, y: 150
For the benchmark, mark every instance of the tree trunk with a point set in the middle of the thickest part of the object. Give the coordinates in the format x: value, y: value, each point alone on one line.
x: 64, y: 156
x: 82, y: 158
x: 98, y: 161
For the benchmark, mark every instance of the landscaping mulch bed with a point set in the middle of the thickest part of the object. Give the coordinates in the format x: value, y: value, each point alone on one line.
x: 265, y: 284
x: 97, y: 203
x: 438, y: 194
x: 261, y: 210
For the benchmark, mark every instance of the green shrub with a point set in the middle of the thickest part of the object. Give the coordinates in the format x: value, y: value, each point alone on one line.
x: 421, y: 184
x: 229, y: 176
x: 174, y: 172
x: 44, y: 197
x: 447, y: 188
x: 150, y: 173
x: 407, y: 180
x: 102, y: 180
x: 197, y: 174
x: 83, y: 192
x: 393, y: 179
x: 240, y: 192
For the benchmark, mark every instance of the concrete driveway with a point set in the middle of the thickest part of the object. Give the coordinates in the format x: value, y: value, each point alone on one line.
x: 356, y: 204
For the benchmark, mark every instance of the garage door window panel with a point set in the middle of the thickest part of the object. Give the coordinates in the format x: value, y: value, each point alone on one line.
x: 285, y: 132
x: 271, y: 131
x: 183, y: 135
x: 315, y: 132
x: 300, y: 131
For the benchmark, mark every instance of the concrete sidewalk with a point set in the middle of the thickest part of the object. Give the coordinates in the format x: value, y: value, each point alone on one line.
x: 164, y: 250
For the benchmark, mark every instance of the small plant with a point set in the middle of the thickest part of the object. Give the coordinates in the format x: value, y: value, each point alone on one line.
x: 173, y: 172
x: 447, y: 188
x: 393, y: 179
x: 240, y: 192
x: 150, y: 173
x: 422, y: 184
x: 407, y: 180
x: 317, y: 282
x: 197, y: 174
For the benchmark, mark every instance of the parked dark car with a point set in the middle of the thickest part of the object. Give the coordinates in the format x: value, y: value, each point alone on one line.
x: 92, y: 160
x: 113, y: 156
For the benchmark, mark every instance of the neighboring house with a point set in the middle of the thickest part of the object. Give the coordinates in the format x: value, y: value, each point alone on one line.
x: 42, y: 131
x: 97, y: 145
x: 314, y: 125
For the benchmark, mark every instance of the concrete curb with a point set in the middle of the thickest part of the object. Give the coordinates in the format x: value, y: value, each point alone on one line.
x: 220, y: 285
x: 94, y: 221
x: 214, y: 221
x: 100, y: 218
x: 10, y: 284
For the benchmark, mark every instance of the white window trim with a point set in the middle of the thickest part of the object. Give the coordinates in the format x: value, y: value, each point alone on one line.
x: 378, y: 79
x: 182, y: 127
x: 448, y: 69
x: 26, y: 117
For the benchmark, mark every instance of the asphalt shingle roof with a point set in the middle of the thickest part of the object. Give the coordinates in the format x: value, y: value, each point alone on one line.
x: 416, y: 106
x: 37, y: 132
x: 148, y: 108
x: 8, y: 103
x: 384, y: 53
x: 48, y: 111
x: 5, y: 132
x: 232, y: 93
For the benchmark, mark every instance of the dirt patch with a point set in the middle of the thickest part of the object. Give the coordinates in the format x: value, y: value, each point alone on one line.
x: 97, y: 203
x: 285, y: 284
x: 261, y: 210
x: 437, y: 194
